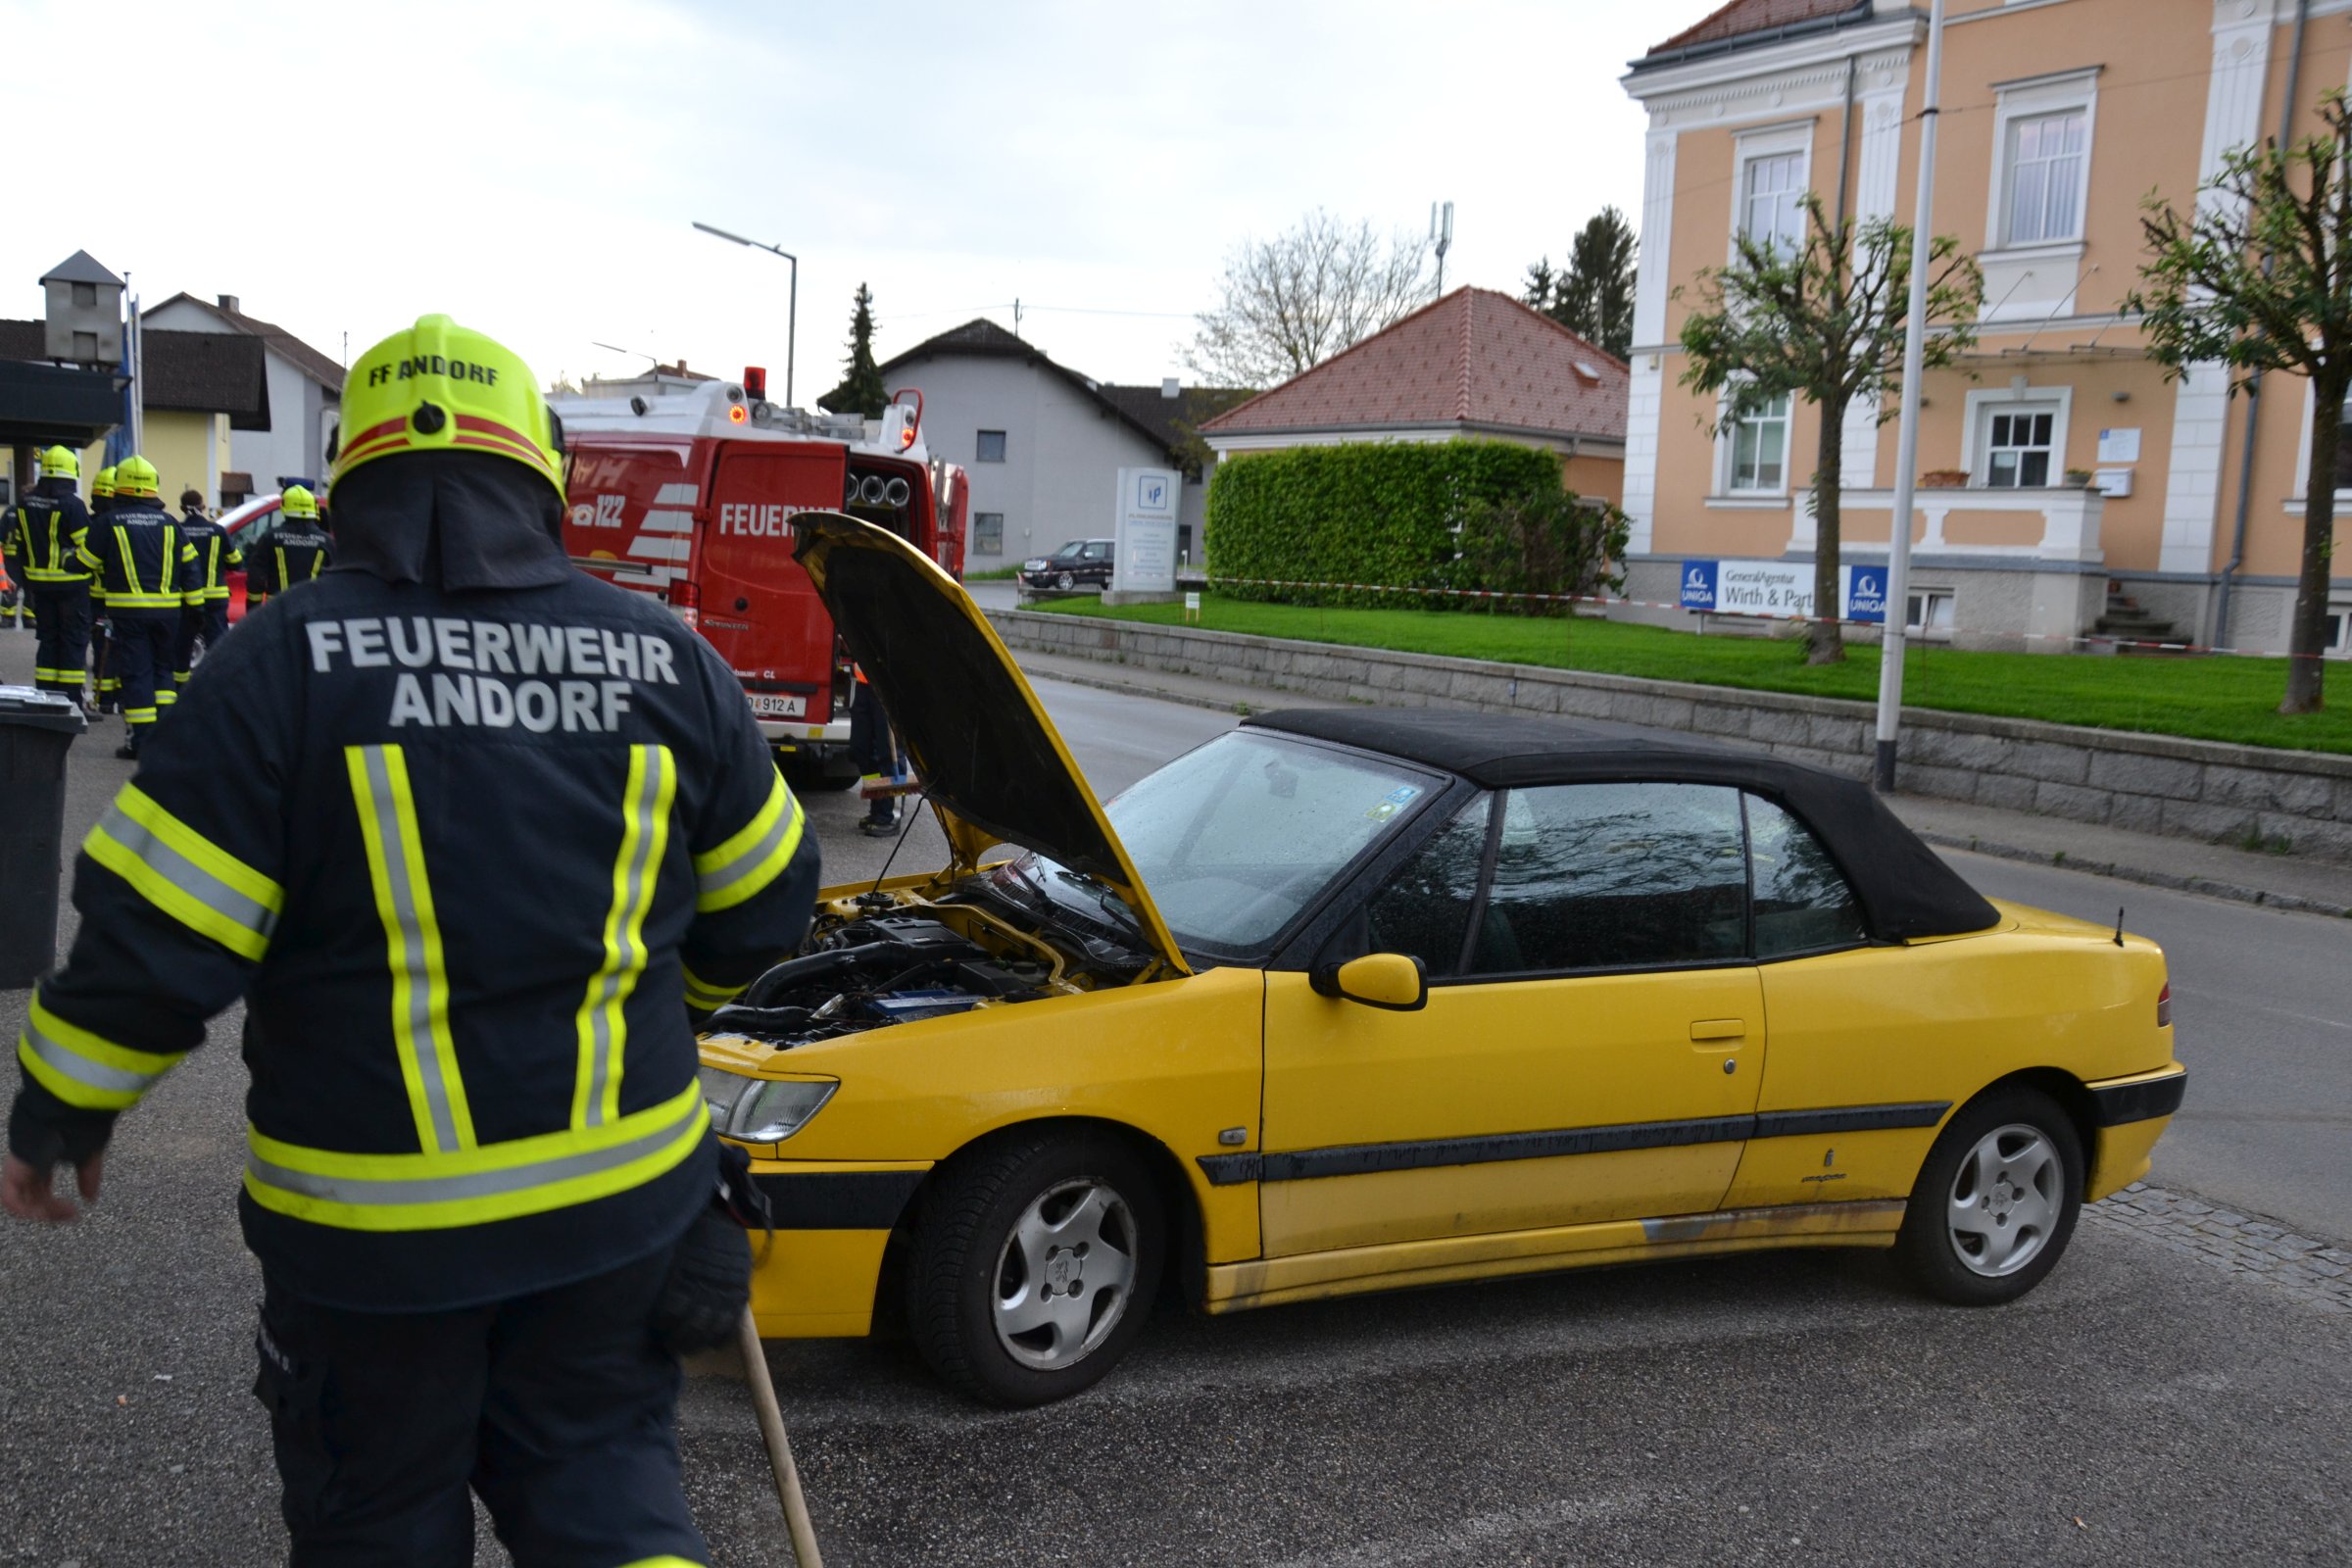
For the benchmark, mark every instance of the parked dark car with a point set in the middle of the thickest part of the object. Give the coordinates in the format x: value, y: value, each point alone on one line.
x: 1080, y: 564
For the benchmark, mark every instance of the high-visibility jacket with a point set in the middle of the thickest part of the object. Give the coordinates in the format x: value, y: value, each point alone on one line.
x: 208, y: 551
x: 133, y: 558
x: 295, y: 555
x: 468, y: 858
x: 45, y: 536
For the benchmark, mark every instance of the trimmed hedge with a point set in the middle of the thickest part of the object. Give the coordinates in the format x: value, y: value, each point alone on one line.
x: 1376, y: 513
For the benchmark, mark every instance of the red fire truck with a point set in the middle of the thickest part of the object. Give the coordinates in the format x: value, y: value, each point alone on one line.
x: 689, y: 497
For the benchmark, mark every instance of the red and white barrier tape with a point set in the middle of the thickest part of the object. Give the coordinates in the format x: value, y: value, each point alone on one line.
x: 2081, y: 640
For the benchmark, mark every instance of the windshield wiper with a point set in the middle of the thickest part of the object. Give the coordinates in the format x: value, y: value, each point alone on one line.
x: 1105, y: 898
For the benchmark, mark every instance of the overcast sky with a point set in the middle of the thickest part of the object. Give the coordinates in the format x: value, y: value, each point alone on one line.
x: 534, y: 171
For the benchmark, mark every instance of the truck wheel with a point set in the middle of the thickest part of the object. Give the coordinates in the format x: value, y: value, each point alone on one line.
x: 1995, y: 1202
x: 816, y: 776
x: 1035, y: 1266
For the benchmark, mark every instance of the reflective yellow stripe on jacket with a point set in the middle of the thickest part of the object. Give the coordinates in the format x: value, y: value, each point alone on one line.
x: 86, y: 1069
x: 745, y: 865
x: 186, y: 875
x: 404, y: 900
x: 704, y: 997
x: 604, y: 1029
x: 435, y: 1190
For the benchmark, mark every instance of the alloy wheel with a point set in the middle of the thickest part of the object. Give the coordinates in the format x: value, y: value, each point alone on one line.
x: 1065, y: 1276
x: 2006, y: 1199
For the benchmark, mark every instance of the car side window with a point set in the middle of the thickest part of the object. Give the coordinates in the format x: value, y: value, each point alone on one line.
x: 1616, y: 876
x: 1425, y: 909
x: 1801, y: 902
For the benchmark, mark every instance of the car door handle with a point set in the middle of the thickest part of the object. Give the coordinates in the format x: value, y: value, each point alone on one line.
x: 1719, y: 1029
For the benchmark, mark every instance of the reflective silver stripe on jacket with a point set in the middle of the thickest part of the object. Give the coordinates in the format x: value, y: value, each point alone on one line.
x: 416, y: 1027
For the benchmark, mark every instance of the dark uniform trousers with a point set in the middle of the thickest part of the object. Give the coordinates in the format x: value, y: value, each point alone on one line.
x: 205, y: 623
x: 139, y: 660
x: 60, y: 618
x: 555, y: 1407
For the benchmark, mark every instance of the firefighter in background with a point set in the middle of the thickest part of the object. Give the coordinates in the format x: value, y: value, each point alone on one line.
x: 480, y: 1173
x: 137, y: 570
x: 12, y: 602
x: 882, y: 770
x: 46, y: 531
x: 102, y: 502
x: 207, y: 553
x: 296, y: 554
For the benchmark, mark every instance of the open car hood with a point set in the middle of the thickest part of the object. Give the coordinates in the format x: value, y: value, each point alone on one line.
x: 991, y: 763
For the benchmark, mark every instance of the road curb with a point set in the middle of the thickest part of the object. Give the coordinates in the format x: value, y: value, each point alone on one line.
x: 2237, y: 892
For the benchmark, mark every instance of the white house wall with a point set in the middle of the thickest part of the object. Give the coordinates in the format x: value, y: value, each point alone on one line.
x: 295, y: 442
x: 1062, y: 450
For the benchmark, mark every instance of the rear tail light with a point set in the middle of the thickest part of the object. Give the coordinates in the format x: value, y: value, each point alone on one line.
x: 844, y: 679
x: 2164, y: 1006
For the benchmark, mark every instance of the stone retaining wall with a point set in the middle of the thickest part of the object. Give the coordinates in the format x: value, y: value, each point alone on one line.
x: 2288, y: 802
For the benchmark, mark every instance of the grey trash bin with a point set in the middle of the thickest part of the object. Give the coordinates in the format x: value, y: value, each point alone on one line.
x: 35, y: 729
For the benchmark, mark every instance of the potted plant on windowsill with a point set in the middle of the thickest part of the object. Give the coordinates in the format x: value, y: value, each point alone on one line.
x: 1944, y: 479
x: 2077, y: 479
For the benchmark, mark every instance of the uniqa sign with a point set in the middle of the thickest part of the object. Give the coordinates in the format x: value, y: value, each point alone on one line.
x: 1779, y: 588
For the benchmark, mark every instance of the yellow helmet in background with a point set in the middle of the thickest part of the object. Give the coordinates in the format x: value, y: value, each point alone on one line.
x: 103, y: 483
x: 298, y: 503
x: 59, y: 463
x: 438, y: 387
x: 136, y: 476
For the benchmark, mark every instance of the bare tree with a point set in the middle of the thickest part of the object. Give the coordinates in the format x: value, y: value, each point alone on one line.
x: 1289, y: 303
x: 2259, y: 276
x: 1823, y: 318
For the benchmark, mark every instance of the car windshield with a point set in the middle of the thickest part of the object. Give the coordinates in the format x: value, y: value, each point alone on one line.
x: 1236, y: 839
x: 1071, y: 550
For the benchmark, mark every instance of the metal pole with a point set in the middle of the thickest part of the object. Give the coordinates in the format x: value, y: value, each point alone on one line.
x: 792, y: 311
x: 1906, y: 444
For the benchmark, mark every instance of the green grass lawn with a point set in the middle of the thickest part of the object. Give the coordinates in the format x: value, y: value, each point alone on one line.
x: 2218, y: 698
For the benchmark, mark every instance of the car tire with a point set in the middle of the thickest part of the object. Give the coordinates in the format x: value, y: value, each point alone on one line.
x: 1065, y: 582
x: 1996, y: 1201
x: 1074, y: 1217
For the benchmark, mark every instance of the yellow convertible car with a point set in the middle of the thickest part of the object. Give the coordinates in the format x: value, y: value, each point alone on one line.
x: 1352, y: 999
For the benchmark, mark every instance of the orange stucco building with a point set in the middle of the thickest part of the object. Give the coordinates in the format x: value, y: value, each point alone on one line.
x: 2059, y: 116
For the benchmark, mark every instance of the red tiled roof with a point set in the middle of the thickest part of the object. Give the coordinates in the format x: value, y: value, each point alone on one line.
x: 1474, y: 356
x: 1751, y: 15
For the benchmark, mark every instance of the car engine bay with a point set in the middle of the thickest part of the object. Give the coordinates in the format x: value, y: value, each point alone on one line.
x: 899, y: 957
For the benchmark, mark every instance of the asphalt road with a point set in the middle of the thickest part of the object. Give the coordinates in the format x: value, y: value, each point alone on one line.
x: 2136, y: 1408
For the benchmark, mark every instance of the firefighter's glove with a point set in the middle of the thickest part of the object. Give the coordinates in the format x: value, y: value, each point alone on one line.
x: 709, y: 1280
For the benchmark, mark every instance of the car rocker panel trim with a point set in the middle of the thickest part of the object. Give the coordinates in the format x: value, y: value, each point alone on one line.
x: 1357, y: 1160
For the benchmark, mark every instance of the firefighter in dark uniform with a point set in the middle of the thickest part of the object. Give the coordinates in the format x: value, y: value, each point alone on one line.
x: 296, y: 554
x: 137, y: 573
x: 208, y: 553
x: 536, y: 825
x: 45, y: 533
x: 108, y: 682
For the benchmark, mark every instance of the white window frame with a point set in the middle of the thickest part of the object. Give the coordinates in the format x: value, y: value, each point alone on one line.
x: 1928, y: 599
x: 1727, y: 455
x: 2342, y: 648
x: 2059, y: 401
x: 2031, y: 98
x: 1793, y: 137
x: 2294, y: 503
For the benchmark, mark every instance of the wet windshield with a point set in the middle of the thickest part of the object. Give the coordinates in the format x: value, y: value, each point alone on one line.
x: 1236, y: 839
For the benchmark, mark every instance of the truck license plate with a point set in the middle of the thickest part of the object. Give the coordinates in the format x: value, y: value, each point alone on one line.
x: 779, y: 705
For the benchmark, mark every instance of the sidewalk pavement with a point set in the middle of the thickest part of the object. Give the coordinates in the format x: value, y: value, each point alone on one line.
x: 2286, y: 882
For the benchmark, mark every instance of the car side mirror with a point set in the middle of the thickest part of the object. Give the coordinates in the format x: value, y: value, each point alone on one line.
x: 1395, y: 981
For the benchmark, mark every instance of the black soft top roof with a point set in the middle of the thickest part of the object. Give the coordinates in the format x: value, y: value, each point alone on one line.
x: 1905, y: 889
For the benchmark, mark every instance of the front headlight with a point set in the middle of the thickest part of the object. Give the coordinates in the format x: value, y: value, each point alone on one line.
x: 762, y: 1111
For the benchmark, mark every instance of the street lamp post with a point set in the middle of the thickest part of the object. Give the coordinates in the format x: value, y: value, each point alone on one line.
x: 792, y: 317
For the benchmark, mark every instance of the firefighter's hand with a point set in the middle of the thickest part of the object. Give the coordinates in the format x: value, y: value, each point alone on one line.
x: 26, y: 1191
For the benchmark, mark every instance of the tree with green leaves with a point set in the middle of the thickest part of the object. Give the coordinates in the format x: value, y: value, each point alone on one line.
x: 2258, y: 277
x: 1593, y: 298
x: 1823, y: 320
x: 861, y: 391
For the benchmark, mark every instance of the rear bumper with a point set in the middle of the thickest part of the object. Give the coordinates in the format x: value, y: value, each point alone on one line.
x: 2131, y: 1114
x: 792, y: 734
